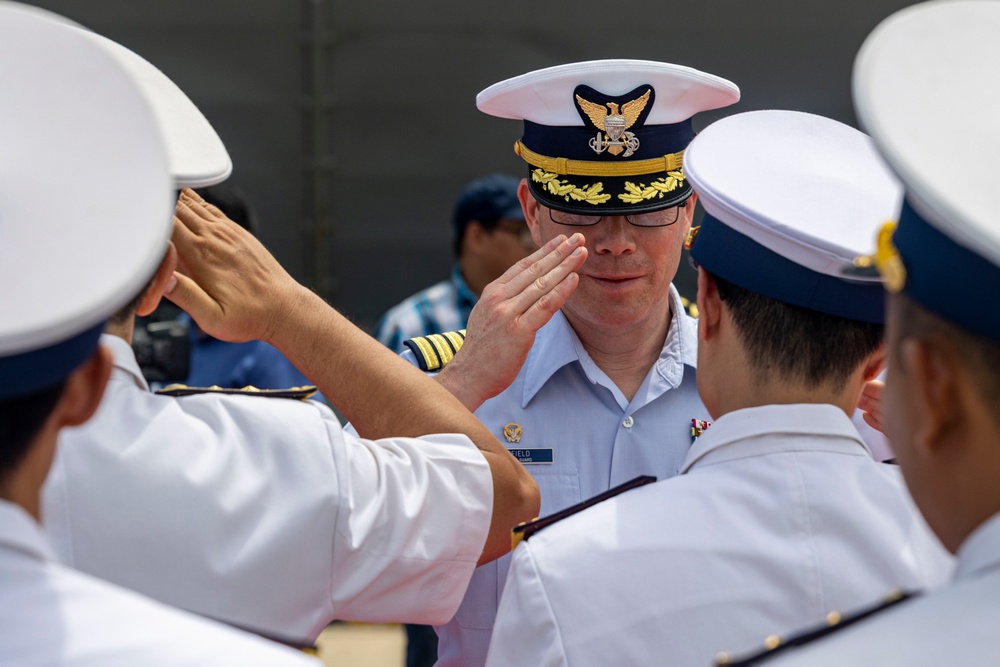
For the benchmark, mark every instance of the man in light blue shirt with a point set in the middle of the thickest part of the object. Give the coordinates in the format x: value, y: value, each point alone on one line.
x: 606, y: 391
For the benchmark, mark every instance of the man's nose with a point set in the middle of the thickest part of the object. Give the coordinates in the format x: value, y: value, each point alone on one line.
x: 614, y: 236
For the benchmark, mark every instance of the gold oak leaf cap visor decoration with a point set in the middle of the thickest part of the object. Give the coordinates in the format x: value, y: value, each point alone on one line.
x: 932, y: 114
x: 607, y: 137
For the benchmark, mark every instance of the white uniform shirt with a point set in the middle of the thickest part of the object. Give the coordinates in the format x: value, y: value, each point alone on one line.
x: 51, y: 615
x: 571, y: 413
x: 958, y: 625
x: 262, y: 513
x: 780, y: 516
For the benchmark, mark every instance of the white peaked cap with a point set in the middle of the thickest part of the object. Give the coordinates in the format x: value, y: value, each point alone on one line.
x: 86, y: 198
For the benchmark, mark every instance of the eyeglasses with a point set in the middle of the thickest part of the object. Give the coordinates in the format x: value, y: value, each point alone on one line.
x: 662, y: 218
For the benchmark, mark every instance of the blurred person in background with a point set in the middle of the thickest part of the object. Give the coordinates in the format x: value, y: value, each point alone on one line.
x: 490, y: 236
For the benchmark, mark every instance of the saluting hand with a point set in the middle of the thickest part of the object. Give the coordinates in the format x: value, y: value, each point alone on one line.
x: 226, y: 280
x: 871, y: 404
x: 511, y: 310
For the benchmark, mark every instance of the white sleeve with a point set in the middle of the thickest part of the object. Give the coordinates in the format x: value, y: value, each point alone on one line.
x: 265, y: 514
x: 525, y: 631
x: 413, y: 518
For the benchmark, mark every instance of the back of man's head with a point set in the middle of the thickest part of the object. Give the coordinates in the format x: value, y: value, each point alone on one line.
x: 21, y: 418
x: 782, y: 220
x: 787, y: 343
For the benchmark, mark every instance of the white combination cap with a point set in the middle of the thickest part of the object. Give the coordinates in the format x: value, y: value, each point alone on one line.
x: 607, y: 137
x: 86, y: 199
x: 196, y: 154
x: 790, y: 199
x: 925, y: 89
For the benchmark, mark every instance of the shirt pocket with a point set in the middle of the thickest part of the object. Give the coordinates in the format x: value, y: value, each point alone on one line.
x: 559, y: 489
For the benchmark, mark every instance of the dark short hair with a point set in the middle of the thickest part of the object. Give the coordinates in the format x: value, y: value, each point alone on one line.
x: 21, y: 418
x: 486, y: 200
x: 796, y: 343
x: 488, y: 224
x: 980, y: 355
x: 127, y: 312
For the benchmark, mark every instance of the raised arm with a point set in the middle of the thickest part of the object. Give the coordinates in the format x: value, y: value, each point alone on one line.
x: 235, y: 290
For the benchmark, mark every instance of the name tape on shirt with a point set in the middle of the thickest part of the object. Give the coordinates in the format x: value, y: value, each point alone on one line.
x: 532, y: 456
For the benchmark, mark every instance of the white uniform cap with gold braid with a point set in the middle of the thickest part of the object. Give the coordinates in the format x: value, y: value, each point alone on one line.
x: 925, y: 89
x: 85, y: 196
x: 606, y: 137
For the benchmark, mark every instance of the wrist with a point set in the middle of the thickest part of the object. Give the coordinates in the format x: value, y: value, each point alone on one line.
x: 453, y: 380
x: 290, y: 313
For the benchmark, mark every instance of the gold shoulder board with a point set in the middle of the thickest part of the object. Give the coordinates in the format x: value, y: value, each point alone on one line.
x: 524, y: 531
x: 298, y: 393
x: 775, y: 645
x: 433, y: 352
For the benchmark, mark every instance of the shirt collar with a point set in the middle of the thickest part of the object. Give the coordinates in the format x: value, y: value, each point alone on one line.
x: 463, y: 294
x: 556, y: 345
x: 20, y: 532
x: 816, y: 427
x: 980, y: 553
x: 124, y: 359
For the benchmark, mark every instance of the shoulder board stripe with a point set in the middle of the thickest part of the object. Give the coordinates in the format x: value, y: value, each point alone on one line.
x: 775, y: 645
x: 525, y: 530
x: 424, y: 352
x: 297, y: 393
x: 442, y: 347
x: 434, y: 351
x: 456, y: 338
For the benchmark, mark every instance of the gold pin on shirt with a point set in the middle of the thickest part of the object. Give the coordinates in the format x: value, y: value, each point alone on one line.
x: 512, y: 432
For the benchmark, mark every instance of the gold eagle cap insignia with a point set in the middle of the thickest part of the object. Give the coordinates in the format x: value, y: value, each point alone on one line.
x: 614, y: 123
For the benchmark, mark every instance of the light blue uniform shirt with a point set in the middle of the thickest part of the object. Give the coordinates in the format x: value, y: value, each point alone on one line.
x: 568, y: 408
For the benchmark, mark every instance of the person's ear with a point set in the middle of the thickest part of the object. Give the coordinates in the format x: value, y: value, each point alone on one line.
x: 84, y: 389
x: 688, y: 211
x: 151, y: 298
x: 934, y: 387
x: 531, y: 210
x: 874, y: 364
x: 690, y: 204
x: 474, y: 238
x: 709, y: 307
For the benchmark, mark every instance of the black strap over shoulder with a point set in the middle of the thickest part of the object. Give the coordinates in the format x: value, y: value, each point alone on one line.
x: 525, y: 530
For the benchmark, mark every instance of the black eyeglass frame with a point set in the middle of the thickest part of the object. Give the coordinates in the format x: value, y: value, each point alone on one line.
x: 629, y: 218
